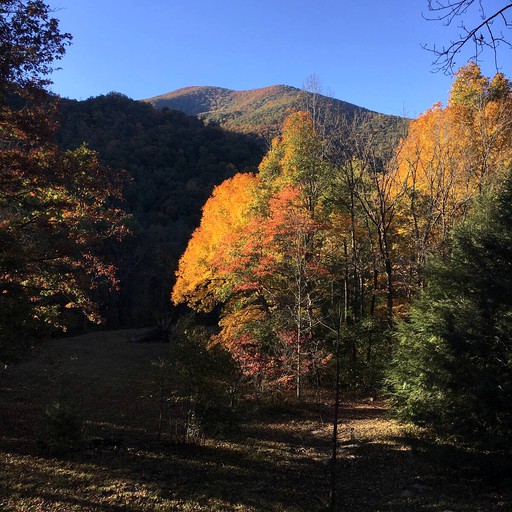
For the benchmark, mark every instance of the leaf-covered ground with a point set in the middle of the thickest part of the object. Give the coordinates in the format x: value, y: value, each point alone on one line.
x: 275, y: 461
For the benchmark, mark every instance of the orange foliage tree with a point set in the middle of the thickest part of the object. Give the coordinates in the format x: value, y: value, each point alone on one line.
x: 256, y: 250
x: 203, y: 277
x: 279, y: 279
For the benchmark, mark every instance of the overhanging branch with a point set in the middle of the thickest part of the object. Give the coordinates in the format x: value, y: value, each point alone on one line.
x: 484, y: 35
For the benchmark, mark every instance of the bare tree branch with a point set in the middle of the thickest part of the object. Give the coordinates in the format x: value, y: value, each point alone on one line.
x: 484, y: 36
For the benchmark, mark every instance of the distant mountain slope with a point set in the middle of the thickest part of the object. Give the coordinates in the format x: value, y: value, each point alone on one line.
x: 257, y: 111
x: 174, y: 162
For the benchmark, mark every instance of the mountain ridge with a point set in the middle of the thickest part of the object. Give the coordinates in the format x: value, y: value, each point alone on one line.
x: 254, y: 111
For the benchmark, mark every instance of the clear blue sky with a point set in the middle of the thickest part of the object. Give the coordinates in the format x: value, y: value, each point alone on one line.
x: 367, y: 52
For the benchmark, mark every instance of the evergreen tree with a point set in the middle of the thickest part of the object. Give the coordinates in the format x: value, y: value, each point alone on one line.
x: 452, y: 368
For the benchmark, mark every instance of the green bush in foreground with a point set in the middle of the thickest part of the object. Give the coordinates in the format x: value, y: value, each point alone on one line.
x: 62, y: 428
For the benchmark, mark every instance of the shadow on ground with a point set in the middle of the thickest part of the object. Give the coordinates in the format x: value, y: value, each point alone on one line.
x: 276, y: 461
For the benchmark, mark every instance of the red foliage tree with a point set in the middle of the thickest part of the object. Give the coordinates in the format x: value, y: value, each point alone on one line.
x: 55, y: 208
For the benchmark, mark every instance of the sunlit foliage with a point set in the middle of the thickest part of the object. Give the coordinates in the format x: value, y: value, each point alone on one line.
x: 450, y: 156
x: 329, y: 239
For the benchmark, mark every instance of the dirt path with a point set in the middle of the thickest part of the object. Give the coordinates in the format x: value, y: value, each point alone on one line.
x: 275, y: 461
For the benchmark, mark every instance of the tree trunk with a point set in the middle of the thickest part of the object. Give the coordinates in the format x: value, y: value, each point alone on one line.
x: 334, y: 439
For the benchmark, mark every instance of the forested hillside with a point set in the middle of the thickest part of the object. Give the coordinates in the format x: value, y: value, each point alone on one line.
x: 296, y: 267
x: 263, y: 111
x: 173, y: 161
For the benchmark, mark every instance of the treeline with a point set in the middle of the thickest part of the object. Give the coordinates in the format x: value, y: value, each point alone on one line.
x: 315, y: 260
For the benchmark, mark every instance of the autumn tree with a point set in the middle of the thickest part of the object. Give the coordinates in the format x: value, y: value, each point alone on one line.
x: 55, y: 208
x: 282, y: 273
x: 452, y: 154
x: 258, y: 254
x: 202, y: 281
x: 452, y: 368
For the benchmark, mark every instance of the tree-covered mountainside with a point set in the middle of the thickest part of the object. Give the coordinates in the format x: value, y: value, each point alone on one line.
x: 173, y: 161
x: 254, y: 111
x: 259, y: 111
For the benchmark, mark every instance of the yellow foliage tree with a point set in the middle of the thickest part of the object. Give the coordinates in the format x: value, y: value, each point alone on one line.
x: 200, y: 282
x: 449, y: 156
x: 256, y: 253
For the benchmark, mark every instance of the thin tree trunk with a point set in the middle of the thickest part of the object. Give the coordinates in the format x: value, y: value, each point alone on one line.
x: 334, y: 440
x: 299, y: 324
x: 388, y: 268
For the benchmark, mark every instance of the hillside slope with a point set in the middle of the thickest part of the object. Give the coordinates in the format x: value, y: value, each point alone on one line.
x: 258, y: 111
x: 174, y: 161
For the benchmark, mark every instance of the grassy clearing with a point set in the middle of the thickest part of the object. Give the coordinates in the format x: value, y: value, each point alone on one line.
x: 275, y: 461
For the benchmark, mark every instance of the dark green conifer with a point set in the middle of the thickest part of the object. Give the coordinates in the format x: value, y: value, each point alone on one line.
x: 452, y: 368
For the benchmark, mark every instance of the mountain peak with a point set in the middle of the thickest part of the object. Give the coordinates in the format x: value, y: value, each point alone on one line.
x: 256, y: 111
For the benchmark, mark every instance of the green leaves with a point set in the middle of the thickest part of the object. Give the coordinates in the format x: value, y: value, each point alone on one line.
x: 452, y: 366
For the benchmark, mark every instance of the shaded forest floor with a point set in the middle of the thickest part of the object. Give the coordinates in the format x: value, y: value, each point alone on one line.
x: 276, y: 460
